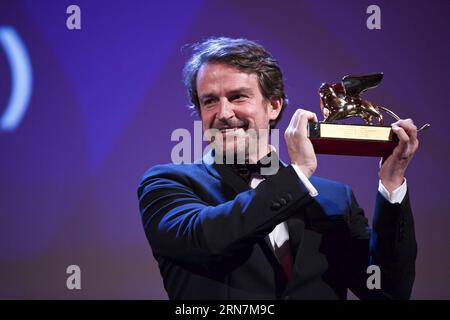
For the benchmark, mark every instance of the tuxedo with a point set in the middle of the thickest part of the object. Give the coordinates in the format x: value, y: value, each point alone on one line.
x: 208, y: 232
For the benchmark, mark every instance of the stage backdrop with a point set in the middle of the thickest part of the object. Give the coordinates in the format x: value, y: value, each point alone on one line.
x: 89, y: 97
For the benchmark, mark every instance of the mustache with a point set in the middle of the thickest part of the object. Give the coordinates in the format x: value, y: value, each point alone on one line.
x: 229, y: 124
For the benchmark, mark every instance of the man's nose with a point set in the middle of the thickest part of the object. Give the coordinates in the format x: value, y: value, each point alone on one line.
x: 225, y: 110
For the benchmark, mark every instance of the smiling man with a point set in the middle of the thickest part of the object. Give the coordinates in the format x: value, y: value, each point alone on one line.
x: 230, y: 101
x: 226, y: 230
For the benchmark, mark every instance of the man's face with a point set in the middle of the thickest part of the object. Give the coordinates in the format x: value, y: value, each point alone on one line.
x: 231, y: 101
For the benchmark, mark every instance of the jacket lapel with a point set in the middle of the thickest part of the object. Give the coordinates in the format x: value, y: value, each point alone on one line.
x: 295, y: 224
x: 296, y: 228
x: 224, y: 173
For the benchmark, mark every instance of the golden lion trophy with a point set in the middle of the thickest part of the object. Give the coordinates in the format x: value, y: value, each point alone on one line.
x: 341, y: 101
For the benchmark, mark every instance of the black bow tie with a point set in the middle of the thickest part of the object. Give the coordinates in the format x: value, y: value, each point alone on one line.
x: 246, y: 170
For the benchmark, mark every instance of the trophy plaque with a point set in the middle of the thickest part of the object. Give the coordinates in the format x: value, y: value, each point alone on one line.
x: 341, y: 101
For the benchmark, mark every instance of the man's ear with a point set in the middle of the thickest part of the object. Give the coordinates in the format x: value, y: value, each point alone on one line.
x: 275, y: 106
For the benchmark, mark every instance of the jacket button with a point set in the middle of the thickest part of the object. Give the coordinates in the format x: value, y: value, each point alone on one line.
x: 289, y: 197
x: 283, y: 201
x: 275, y: 206
x: 286, y: 298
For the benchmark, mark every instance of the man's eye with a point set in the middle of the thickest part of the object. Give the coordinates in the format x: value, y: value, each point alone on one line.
x: 208, y: 102
x: 239, y: 97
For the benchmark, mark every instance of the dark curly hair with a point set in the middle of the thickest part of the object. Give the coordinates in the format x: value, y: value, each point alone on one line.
x: 245, y: 55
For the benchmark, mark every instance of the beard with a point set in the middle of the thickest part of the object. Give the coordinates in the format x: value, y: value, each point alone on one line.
x: 238, y: 145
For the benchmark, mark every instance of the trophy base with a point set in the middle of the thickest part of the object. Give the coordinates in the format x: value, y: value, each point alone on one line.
x: 352, y: 140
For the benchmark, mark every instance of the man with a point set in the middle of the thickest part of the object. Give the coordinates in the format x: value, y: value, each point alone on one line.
x: 225, y: 231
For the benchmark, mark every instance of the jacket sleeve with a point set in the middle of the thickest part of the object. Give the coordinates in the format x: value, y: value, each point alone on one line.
x: 390, y: 245
x: 179, y: 224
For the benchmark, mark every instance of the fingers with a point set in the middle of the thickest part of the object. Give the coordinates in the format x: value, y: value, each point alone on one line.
x: 408, y: 126
x: 403, y: 139
x: 293, y: 119
x: 300, y: 148
x: 406, y: 132
x: 299, y: 121
x: 305, y: 117
x: 401, y: 134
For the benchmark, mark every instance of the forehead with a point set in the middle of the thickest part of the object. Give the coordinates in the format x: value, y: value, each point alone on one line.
x: 220, y: 77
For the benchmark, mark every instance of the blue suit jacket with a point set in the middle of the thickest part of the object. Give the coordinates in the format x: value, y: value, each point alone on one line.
x: 207, y: 229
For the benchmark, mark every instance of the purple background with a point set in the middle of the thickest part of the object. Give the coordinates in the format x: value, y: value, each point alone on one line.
x: 106, y: 99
